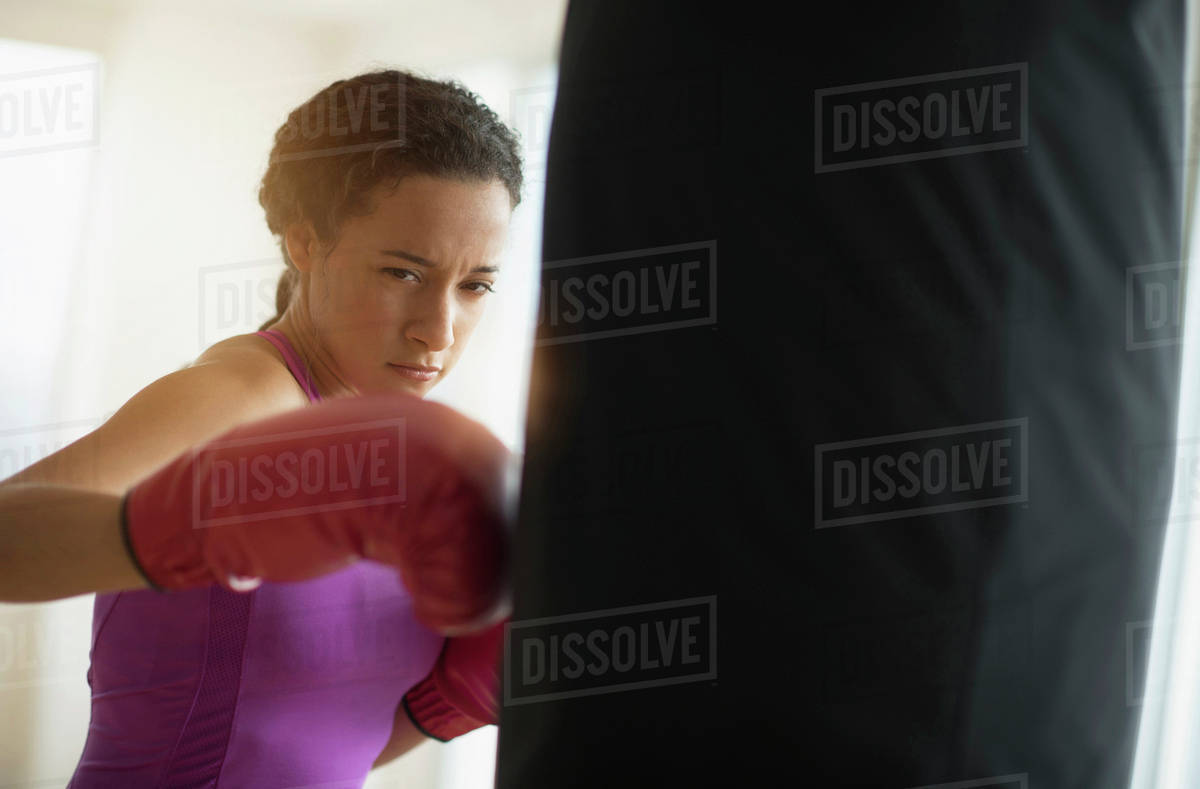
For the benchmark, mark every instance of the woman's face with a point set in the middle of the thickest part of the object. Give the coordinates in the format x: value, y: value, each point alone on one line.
x: 407, y: 284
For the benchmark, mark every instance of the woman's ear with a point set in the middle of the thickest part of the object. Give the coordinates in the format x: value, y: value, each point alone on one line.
x: 303, y: 247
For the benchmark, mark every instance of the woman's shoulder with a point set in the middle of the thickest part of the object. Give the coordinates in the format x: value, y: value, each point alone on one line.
x: 256, y: 360
x: 233, y: 382
x: 239, y: 345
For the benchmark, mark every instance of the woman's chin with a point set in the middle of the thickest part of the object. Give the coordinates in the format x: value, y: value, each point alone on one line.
x: 418, y: 388
x: 390, y: 380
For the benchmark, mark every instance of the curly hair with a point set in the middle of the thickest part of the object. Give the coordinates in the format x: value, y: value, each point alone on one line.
x: 373, y: 130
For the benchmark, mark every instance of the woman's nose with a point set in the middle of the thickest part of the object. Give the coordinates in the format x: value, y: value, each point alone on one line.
x: 433, y: 323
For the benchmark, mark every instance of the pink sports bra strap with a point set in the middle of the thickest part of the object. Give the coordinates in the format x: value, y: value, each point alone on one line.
x: 294, y: 363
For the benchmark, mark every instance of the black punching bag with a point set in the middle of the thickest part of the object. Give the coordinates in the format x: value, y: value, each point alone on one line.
x: 856, y: 375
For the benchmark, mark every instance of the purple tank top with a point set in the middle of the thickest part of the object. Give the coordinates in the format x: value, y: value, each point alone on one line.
x: 290, y: 685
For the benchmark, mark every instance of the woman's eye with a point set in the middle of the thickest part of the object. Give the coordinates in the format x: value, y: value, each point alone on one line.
x: 396, y: 272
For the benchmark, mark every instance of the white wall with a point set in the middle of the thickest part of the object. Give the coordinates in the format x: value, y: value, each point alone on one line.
x: 114, y: 253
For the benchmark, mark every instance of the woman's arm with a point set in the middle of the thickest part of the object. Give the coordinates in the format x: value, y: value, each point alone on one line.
x: 168, y: 417
x: 57, y: 541
x: 60, y: 518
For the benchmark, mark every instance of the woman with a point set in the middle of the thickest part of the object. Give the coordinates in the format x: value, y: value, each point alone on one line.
x: 391, y: 196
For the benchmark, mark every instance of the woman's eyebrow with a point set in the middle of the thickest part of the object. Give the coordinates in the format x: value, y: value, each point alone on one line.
x: 420, y: 261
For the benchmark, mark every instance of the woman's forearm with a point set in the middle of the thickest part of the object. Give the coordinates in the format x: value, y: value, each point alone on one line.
x: 58, y: 541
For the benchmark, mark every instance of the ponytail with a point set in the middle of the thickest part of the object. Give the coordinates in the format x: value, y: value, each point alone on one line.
x: 283, y: 291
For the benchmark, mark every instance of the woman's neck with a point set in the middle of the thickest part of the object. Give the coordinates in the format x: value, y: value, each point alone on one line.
x: 303, y: 337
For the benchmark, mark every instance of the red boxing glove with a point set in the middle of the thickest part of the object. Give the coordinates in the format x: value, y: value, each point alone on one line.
x: 460, y: 693
x: 393, y: 478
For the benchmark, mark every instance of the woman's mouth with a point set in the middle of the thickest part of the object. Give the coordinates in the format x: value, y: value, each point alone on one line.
x: 416, y: 372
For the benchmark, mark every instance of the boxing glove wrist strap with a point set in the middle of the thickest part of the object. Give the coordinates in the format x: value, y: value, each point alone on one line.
x: 429, y: 711
x: 129, y: 546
